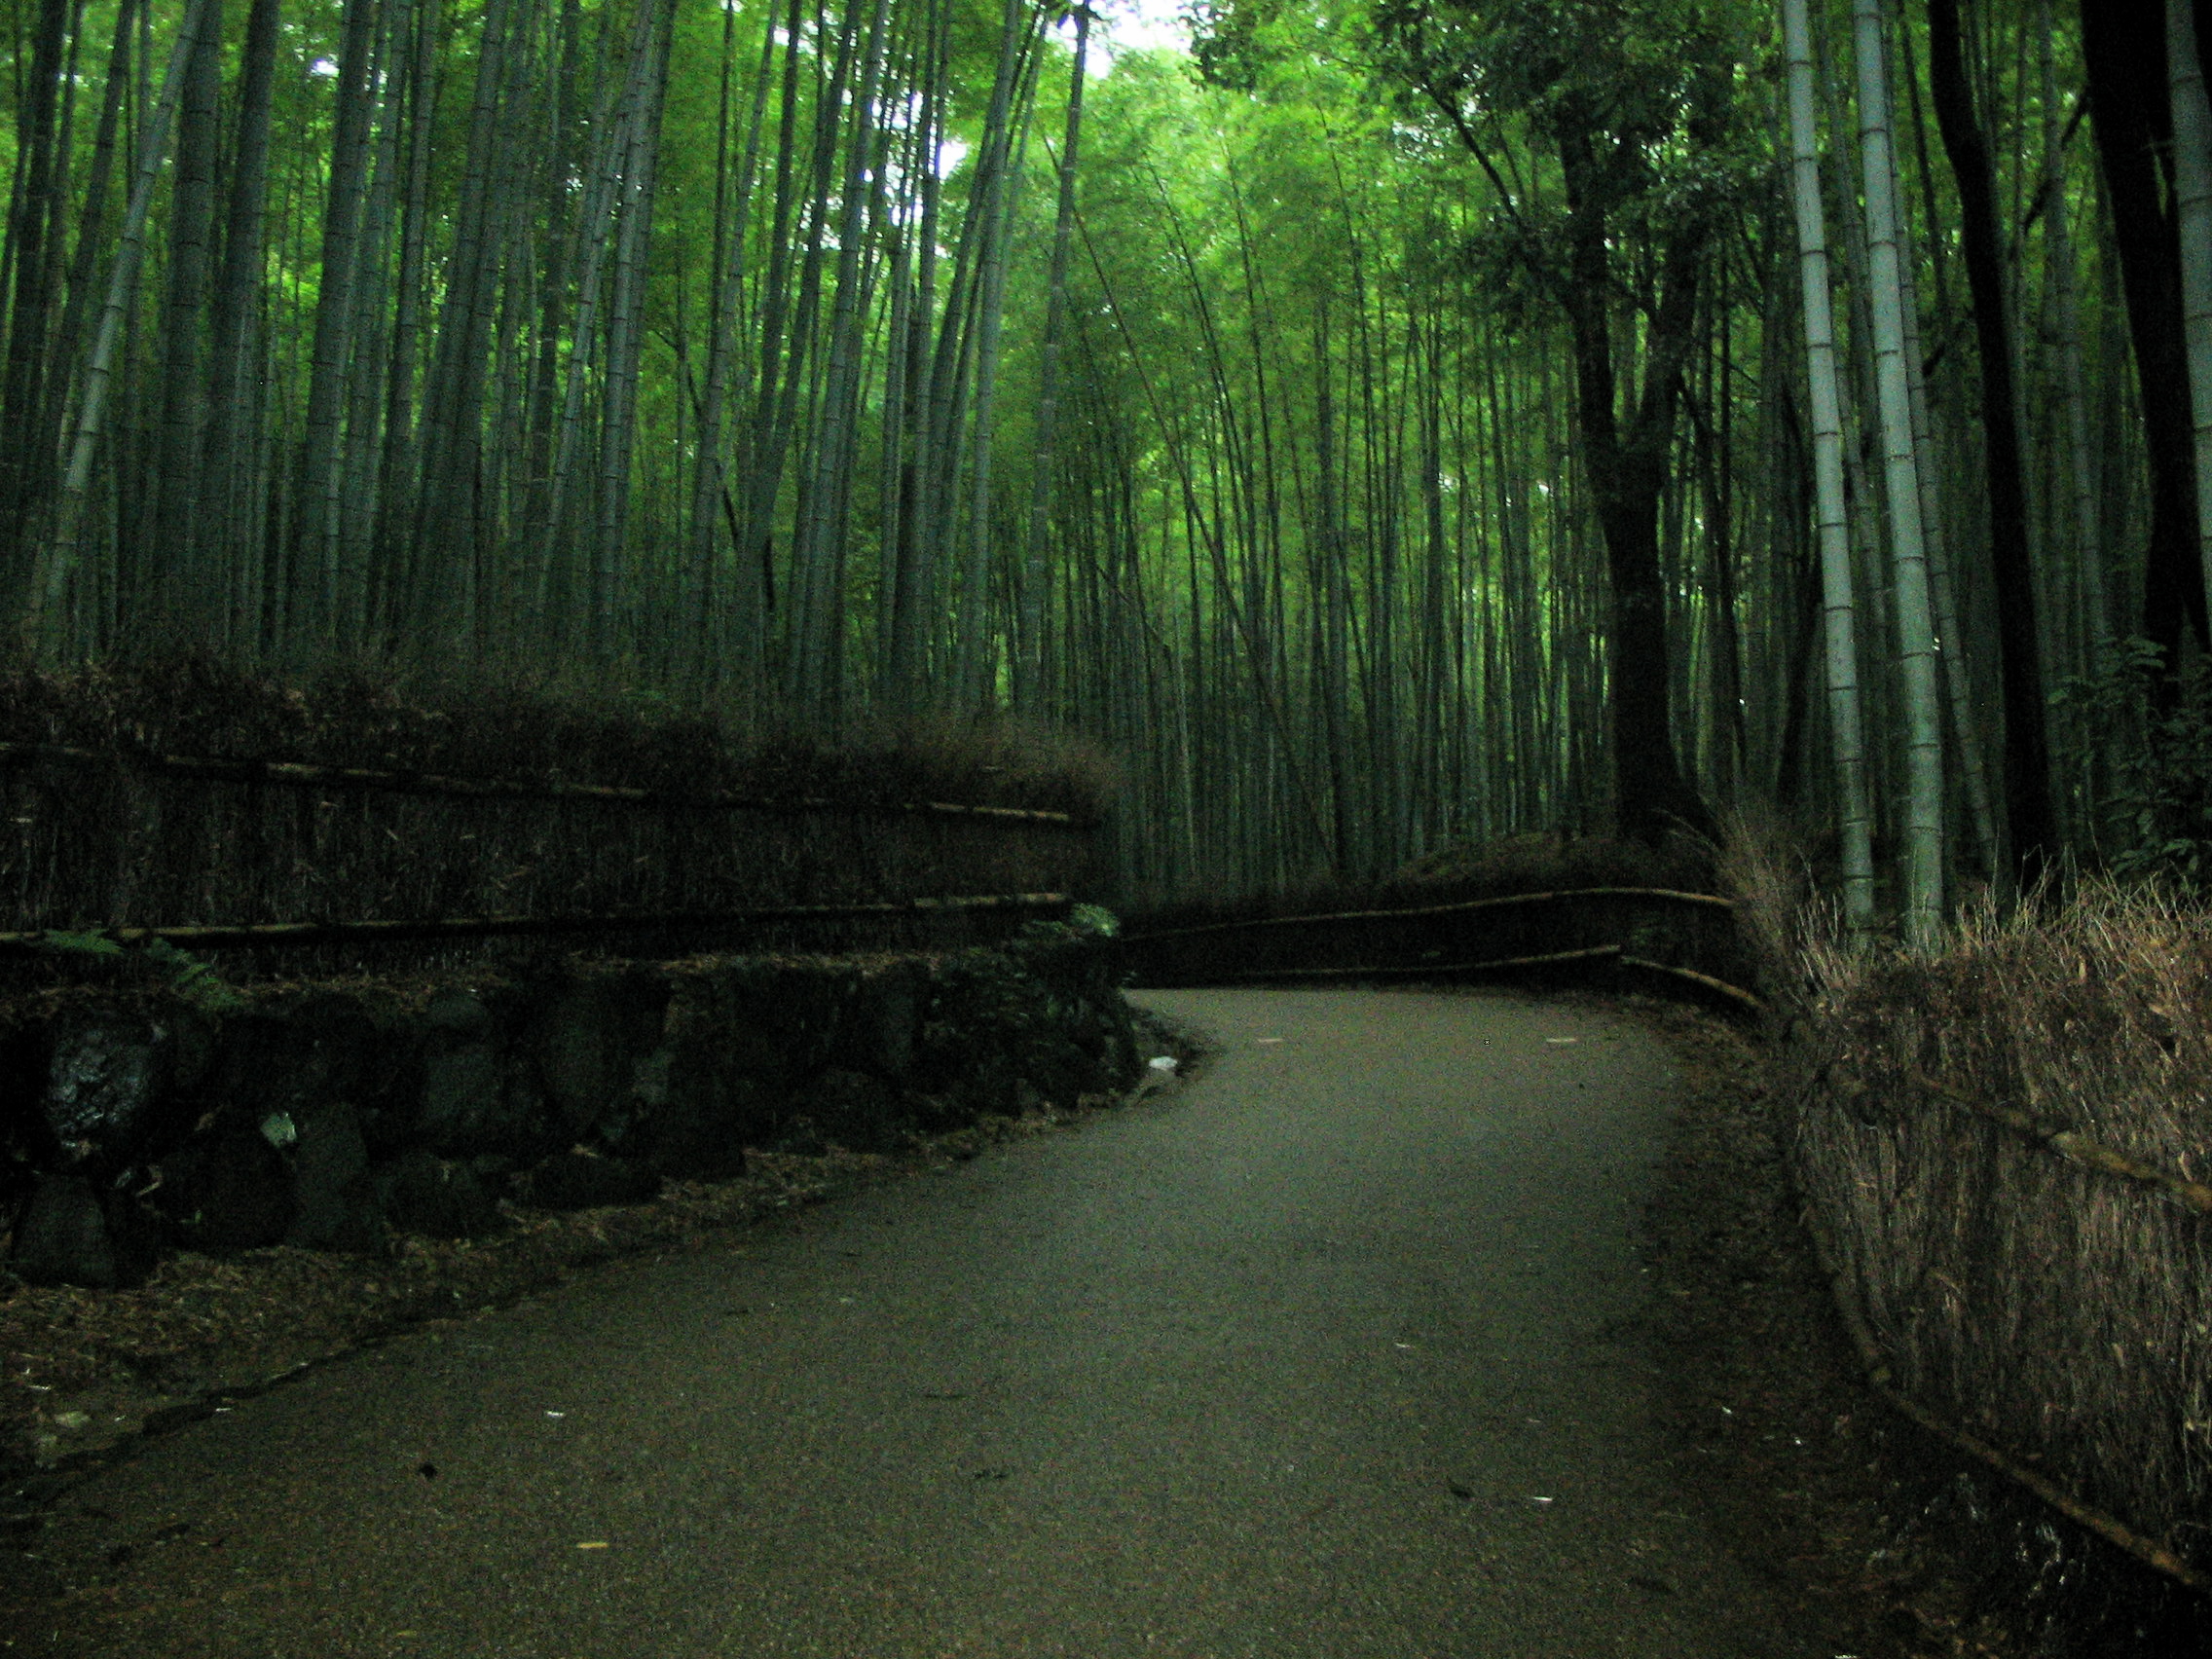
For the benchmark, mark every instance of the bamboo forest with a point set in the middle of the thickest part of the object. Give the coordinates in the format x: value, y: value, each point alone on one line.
x: 1377, y: 424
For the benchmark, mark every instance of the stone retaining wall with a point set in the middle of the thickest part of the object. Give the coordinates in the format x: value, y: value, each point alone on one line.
x: 331, y: 1116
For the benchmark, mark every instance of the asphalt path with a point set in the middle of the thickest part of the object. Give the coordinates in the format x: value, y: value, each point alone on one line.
x: 1338, y: 1350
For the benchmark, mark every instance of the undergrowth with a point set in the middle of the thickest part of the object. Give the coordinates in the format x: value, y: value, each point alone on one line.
x: 2155, y: 810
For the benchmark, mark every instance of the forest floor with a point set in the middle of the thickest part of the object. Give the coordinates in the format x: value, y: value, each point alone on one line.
x: 1812, y: 1480
x: 1816, y: 1480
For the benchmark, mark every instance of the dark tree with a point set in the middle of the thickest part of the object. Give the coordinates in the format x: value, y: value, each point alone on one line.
x: 2125, y: 53
x: 1634, y: 104
x: 2027, y: 750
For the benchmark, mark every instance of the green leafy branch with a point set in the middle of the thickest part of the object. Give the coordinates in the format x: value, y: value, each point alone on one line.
x: 2157, y: 814
x: 182, y: 973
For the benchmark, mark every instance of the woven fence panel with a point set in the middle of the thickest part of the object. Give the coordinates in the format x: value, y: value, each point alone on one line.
x: 118, y: 843
x: 2056, y: 1310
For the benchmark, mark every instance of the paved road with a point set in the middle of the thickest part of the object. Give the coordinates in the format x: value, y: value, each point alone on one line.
x: 1334, y: 1353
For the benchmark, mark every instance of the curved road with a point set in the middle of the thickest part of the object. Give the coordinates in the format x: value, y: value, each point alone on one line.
x: 1333, y: 1353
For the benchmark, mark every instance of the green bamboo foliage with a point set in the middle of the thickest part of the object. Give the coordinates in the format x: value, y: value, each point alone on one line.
x: 1338, y: 443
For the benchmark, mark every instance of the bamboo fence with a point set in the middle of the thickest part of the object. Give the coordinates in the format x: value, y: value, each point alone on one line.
x: 243, y: 853
x: 2086, y: 1154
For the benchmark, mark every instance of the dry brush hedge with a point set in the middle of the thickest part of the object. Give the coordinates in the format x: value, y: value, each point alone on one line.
x: 2057, y: 1310
x: 127, y: 839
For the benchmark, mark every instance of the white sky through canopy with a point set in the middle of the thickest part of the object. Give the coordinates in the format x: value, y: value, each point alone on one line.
x: 1141, y: 26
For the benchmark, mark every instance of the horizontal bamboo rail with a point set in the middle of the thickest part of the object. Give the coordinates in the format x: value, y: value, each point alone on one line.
x: 298, y: 775
x: 1692, y: 975
x: 1664, y: 895
x: 272, y: 935
x: 1437, y: 970
x: 1881, y: 1379
x: 1425, y: 968
x: 2073, y: 1148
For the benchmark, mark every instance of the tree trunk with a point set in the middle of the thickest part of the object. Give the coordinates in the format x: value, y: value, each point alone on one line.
x: 1627, y: 463
x: 2081, y: 452
x: 818, y: 542
x: 33, y: 250
x: 559, y: 573
x: 45, y: 622
x: 2123, y: 50
x: 315, y: 562
x: 441, y: 597
x: 710, y: 490
x: 1956, y: 660
x: 41, y: 439
x: 2027, y: 749
x: 233, y: 344
x: 625, y: 338
x: 976, y: 661
x: 360, y: 486
x: 180, y: 598
x: 2193, y: 228
x: 909, y: 571
x: 397, y: 494
x: 1029, y: 674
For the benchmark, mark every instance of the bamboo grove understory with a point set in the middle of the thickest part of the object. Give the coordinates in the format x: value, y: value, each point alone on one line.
x: 1387, y: 423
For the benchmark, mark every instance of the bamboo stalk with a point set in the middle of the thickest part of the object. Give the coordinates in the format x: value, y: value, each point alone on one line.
x: 281, y: 934
x: 301, y: 775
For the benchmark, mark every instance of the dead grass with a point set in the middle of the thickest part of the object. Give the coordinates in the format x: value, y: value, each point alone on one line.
x: 522, y: 725
x: 1519, y: 863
